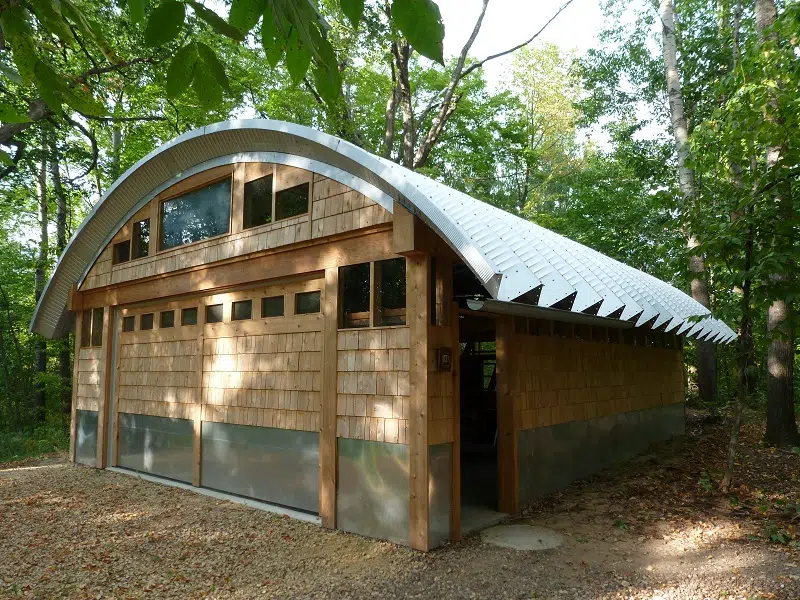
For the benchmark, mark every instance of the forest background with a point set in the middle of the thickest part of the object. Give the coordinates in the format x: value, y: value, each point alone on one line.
x: 672, y: 145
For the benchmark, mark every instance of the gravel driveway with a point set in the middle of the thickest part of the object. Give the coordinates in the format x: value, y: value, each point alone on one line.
x: 70, y: 531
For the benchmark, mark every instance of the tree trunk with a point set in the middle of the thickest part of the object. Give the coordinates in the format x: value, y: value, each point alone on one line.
x: 402, y: 53
x: 64, y: 370
x: 706, y: 352
x: 40, y: 345
x: 781, y: 419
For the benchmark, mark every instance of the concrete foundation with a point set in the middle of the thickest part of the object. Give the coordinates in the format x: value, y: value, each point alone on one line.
x: 550, y: 458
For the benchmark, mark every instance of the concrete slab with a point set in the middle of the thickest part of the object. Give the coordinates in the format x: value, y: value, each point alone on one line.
x: 518, y: 536
x: 475, y: 518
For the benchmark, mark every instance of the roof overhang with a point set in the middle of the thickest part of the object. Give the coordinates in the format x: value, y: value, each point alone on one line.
x: 509, y: 255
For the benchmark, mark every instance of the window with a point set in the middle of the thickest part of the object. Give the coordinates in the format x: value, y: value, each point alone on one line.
x: 167, y: 319
x: 272, y: 306
x: 92, y: 328
x: 189, y: 316
x: 146, y: 322
x: 122, y: 252
x: 391, y: 290
x: 258, y: 202
x: 140, y: 242
x: 292, y: 201
x: 214, y: 313
x: 242, y: 310
x: 355, y: 295
x: 306, y: 302
x: 195, y: 216
x: 128, y: 323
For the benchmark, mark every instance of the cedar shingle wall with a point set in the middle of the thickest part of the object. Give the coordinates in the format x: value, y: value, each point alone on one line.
x: 557, y: 379
x: 90, y: 386
x: 373, y: 384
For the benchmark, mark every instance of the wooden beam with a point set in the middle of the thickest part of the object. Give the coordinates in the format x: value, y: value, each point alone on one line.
x: 404, y: 230
x: 507, y: 435
x: 237, y: 198
x: 327, y: 435
x: 455, y: 497
x: 115, y: 416
x: 299, y: 258
x: 197, y: 442
x: 76, y: 362
x: 417, y: 299
x: 107, y: 373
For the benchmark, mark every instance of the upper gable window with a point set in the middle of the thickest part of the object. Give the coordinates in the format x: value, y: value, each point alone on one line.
x: 257, y: 202
x: 122, y: 252
x: 195, y: 216
x: 292, y: 201
x: 140, y: 242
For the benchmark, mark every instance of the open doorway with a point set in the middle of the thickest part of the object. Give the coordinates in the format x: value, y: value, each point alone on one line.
x: 478, y: 409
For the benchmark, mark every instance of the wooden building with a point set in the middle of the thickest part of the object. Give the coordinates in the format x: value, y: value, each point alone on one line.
x: 271, y: 312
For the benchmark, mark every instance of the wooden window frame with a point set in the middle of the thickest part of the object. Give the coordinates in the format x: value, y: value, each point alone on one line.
x: 114, y: 260
x: 87, y: 333
x: 129, y: 319
x: 196, y: 316
x: 241, y: 302
x: 316, y: 312
x: 283, y: 307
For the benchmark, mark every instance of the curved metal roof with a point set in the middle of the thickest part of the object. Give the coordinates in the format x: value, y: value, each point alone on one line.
x: 509, y: 255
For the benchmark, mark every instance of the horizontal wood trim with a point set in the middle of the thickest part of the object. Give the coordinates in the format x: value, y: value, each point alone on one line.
x: 306, y: 257
x: 269, y: 326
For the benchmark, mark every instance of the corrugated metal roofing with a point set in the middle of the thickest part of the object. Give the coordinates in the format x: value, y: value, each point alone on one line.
x: 509, y: 255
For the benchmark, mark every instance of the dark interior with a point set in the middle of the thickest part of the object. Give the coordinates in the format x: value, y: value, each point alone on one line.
x: 478, y: 385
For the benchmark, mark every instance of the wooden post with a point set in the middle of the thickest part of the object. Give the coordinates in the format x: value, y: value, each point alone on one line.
x: 115, y: 415
x: 455, y: 498
x: 507, y: 435
x: 106, y: 378
x: 417, y: 299
x: 197, y: 445
x: 327, y: 435
x: 73, y: 425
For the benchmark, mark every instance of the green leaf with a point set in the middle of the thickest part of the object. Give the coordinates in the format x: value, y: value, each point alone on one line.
x: 208, y: 90
x: 11, y: 73
x: 91, y: 29
x: 49, y: 14
x: 353, y: 10
x: 17, y: 31
x: 421, y: 23
x: 82, y: 101
x: 181, y: 70
x: 165, y: 23
x: 49, y: 86
x: 270, y: 39
x: 9, y: 114
x: 245, y: 14
x: 298, y: 58
x: 328, y: 82
x: 213, y: 64
x: 136, y: 10
x: 216, y: 22
x: 5, y: 158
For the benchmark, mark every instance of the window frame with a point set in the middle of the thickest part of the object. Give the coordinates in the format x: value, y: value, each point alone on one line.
x: 283, y: 306
x: 309, y: 293
x: 152, y: 316
x: 222, y: 316
x: 128, y: 319
x: 243, y: 302
x: 362, y: 319
x: 161, y: 315
x: 273, y: 179
x: 183, y: 316
x: 134, y: 246
x: 87, y: 334
x: 115, y: 260
x: 276, y: 192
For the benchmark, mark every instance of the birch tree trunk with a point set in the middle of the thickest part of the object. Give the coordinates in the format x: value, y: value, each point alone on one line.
x: 40, y: 346
x: 64, y: 370
x: 706, y: 353
x: 781, y: 419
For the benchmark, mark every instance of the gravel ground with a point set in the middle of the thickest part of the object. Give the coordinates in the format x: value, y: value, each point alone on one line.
x: 643, y: 531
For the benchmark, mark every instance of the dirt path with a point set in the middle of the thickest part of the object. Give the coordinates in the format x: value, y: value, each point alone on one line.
x: 649, y: 530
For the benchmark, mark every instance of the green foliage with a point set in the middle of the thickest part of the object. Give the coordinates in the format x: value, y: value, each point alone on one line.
x: 421, y: 22
x: 15, y: 445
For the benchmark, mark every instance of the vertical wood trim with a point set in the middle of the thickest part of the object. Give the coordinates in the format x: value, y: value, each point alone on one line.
x: 155, y: 227
x: 327, y: 436
x: 506, y: 439
x: 455, y: 510
x: 275, y: 190
x: 417, y: 300
x: 115, y: 416
x: 107, y: 371
x: 197, y: 445
x: 373, y: 294
x: 73, y: 426
x: 237, y: 198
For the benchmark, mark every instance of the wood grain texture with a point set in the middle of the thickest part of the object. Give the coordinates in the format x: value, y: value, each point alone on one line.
x: 506, y: 434
x: 337, y: 209
x: 75, y: 373
x: 327, y: 441
x: 455, y: 508
x: 417, y: 295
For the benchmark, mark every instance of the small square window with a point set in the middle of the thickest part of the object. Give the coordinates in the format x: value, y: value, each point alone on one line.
x: 97, y: 327
x: 189, y: 316
x: 272, y: 306
x: 242, y: 310
x: 122, y: 252
x: 292, y: 201
x: 257, y: 202
x: 214, y: 313
x: 167, y: 319
x: 146, y: 321
x: 128, y: 323
x: 306, y: 303
x: 140, y: 242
